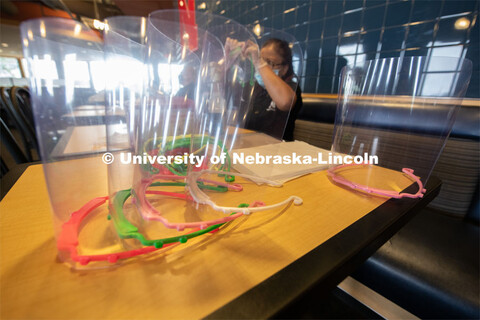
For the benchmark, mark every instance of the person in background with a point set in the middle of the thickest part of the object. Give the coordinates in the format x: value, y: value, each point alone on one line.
x: 187, y: 80
x: 276, y: 98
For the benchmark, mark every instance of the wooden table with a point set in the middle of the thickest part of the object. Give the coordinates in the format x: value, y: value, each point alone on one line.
x: 87, y: 140
x: 92, y: 115
x: 251, y: 268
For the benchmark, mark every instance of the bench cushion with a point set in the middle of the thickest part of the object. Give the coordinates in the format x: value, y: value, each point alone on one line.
x: 318, y: 108
x: 430, y: 268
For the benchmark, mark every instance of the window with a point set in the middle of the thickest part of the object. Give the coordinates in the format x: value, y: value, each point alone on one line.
x: 9, y: 68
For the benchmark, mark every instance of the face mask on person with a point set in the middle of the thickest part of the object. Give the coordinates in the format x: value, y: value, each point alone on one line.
x: 259, y: 79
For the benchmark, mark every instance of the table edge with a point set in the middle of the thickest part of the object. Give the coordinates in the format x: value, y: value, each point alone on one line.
x: 11, y: 177
x: 310, y: 274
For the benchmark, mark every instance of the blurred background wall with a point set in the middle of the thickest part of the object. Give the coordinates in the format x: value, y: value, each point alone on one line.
x: 335, y: 32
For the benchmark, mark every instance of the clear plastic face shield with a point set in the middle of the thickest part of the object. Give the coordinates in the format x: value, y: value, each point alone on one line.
x: 125, y: 72
x: 153, y: 211
x: 221, y: 85
x: 250, y: 120
x: 79, y: 116
x: 393, y: 118
x: 225, y: 88
x: 156, y: 208
x: 65, y: 61
x: 124, y: 46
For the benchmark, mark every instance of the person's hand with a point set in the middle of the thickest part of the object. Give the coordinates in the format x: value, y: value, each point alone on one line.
x: 233, y: 49
x: 252, y: 52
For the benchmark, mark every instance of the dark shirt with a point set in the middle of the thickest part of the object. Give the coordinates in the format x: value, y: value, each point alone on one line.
x: 188, y: 90
x: 264, y: 116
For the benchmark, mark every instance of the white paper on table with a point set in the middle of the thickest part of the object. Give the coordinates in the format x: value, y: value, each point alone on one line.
x: 281, y: 172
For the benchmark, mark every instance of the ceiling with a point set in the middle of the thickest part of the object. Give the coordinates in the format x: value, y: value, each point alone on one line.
x: 10, y: 36
x: 12, y: 13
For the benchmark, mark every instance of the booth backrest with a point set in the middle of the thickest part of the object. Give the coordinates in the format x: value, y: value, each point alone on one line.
x: 457, y: 167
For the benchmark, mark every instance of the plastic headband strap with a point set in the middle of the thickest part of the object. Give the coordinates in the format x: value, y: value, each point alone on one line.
x: 68, y: 237
x: 126, y: 230
x: 180, y: 142
x: 393, y: 194
x: 226, y: 185
x: 148, y: 212
x: 201, y: 198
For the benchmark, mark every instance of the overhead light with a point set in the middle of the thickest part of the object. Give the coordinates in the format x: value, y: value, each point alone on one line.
x: 30, y: 35
x: 184, y: 52
x: 99, y: 25
x: 143, y: 27
x: 95, y: 24
x: 77, y: 30
x: 222, y: 12
x: 5, y: 45
x: 217, y: 3
x: 462, y: 23
x: 43, y: 31
x: 25, y: 42
x: 257, y: 30
x: 202, y: 6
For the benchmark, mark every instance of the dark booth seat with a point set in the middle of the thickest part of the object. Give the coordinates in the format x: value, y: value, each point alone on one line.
x: 431, y: 267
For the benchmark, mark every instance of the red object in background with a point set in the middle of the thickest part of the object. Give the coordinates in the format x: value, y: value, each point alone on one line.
x: 188, y: 25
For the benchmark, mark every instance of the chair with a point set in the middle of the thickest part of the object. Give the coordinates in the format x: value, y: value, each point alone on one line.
x: 12, y: 146
x: 9, y: 174
x: 20, y: 98
x: 4, y: 113
x: 26, y: 131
